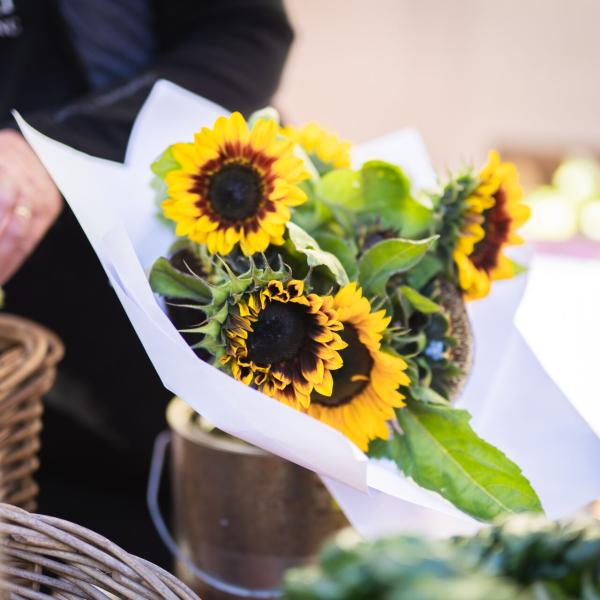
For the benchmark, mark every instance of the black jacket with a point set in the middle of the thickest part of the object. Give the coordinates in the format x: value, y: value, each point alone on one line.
x: 231, y: 51
x: 108, y: 404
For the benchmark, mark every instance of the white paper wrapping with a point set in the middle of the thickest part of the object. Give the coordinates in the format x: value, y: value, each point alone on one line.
x: 514, y: 403
x: 560, y: 319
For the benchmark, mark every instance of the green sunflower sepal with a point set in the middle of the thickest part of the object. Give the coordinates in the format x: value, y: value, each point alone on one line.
x: 214, y: 300
x: 169, y: 282
x: 161, y: 167
x: 165, y: 163
x: 448, y: 212
x: 268, y: 113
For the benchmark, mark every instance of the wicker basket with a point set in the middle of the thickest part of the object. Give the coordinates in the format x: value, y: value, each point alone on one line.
x: 28, y: 357
x: 44, y: 557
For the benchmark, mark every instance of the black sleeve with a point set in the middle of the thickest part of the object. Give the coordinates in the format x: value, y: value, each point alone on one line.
x: 230, y: 51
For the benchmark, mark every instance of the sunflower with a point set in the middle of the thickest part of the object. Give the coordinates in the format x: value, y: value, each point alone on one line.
x: 285, y: 342
x: 234, y: 185
x: 326, y: 150
x: 492, y: 214
x: 365, y: 389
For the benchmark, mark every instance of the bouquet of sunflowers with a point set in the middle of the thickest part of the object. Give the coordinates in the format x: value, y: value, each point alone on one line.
x: 315, y: 306
x: 340, y: 292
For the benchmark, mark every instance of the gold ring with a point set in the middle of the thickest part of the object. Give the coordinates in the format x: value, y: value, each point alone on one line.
x: 23, y: 211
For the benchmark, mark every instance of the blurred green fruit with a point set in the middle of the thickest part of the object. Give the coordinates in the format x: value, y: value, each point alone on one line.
x: 578, y: 179
x: 553, y: 216
x: 589, y: 220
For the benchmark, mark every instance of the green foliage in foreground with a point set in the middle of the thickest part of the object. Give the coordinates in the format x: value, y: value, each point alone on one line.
x: 526, y: 557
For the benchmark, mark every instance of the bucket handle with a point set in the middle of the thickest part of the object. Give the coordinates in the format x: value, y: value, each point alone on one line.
x: 156, y: 469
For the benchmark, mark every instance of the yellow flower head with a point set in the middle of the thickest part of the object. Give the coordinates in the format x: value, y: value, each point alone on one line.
x: 285, y: 343
x: 493, y: 214
x: 234, y: 186
x: 325, y: 149
x: 365, y: 389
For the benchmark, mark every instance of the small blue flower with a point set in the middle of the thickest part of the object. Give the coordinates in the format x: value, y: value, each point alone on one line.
x: 435, y: 350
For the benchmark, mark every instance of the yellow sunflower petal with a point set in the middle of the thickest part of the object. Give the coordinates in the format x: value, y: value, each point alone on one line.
x: 263, y: 133
x: 364, y: 416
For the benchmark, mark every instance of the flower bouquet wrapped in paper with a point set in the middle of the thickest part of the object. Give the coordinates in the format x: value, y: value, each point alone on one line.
x: 316, y: 308
x: 337, y: 293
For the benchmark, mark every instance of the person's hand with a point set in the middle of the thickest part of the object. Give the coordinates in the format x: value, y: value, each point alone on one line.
x: 29, y: 202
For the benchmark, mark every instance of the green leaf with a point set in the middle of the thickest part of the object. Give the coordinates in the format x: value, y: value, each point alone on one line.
x: 410, y: 217
x: 165, y: 163
x: 383, y: 182
x: 518, y: 268
x: 315, y: 256
x: 420, y: 302
x: 342, y: 249
x: 426, y: 270
x: 312, y: 215
x: 342, y: 187
x: 268, y: 113
x: 380, y: 189
x: 379, y: 448
x: 423, y: 393
x: 171, y: 283
x: 387, y: 258
x: 343, y: 222
x: 441, y: 452
x: 386, y: 193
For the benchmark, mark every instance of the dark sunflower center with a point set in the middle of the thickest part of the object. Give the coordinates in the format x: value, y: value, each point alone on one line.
x: 353, y: 377
x: 278, y: 334
x: 497, y: 229
x: 235, y: 191
x: 186, y: 261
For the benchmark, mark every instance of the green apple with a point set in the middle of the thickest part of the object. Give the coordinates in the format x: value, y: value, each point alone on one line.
x: 553, y: 216
x: 578, y: 179
x: 589, y: 220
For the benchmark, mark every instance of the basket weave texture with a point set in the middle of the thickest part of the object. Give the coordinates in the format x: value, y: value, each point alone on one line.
x: 44, y: 557
x: 28, y: 357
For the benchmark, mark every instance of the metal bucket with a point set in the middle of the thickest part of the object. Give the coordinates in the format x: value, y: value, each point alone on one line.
x: 240, y: 514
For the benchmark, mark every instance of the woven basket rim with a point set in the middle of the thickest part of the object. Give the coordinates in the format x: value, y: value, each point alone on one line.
x: 72, y: 555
